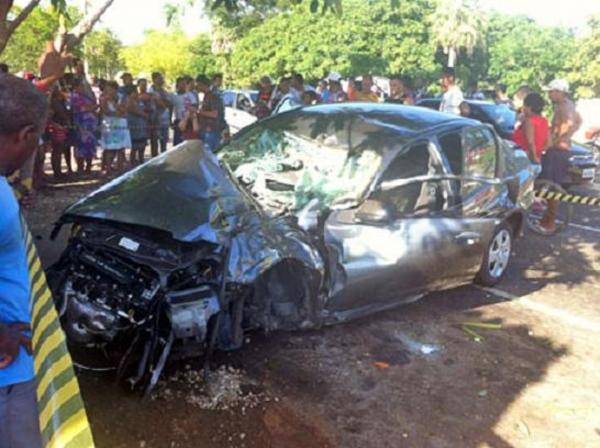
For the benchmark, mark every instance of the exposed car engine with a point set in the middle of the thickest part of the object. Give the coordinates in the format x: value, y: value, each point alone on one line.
x: 109, y: 301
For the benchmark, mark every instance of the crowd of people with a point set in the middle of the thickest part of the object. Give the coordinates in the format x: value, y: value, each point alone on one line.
x: 136, y: 113
x: 85, y: 116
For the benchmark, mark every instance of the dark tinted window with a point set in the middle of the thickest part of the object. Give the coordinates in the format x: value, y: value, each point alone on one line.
x: 500, y: 115
x: 451, y: 146
x: 480, y: 152
x: 430, y: 104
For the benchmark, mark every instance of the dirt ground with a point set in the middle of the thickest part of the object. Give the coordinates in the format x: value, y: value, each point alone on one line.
x: 404, y: 378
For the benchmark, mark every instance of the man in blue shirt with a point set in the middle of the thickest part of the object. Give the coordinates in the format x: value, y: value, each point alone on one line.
x: 23, y: 112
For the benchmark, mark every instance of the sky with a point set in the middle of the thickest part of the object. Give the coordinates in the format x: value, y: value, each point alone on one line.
x: 129, y: 18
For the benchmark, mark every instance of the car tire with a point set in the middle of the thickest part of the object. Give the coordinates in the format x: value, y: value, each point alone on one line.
x: 497, y: 256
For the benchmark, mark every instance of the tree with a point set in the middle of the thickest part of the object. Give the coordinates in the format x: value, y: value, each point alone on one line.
x: 171, y: 53
x: 370, y: 37
x: 29, y: 40
x: 522, y: 52
x: 458, y: 24
x: 103, y: 54
x: 11, y: 18
x: 202, y: 61
x: 69, y: 39
x: 584, y: 65
x: 23, y: 50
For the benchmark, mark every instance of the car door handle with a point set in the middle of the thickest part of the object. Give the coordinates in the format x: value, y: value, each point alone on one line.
x: 468, y: 238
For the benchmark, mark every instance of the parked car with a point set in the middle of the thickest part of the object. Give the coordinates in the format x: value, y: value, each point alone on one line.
x: 239, y: 107
x: 582, y: 164
x: 501, y: 117
x: 315, y: 216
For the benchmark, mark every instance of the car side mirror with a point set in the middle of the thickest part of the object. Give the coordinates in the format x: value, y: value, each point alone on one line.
x: 373, y: 211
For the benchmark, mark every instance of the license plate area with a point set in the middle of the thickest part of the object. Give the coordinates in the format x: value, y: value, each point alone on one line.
x: 588, y: 173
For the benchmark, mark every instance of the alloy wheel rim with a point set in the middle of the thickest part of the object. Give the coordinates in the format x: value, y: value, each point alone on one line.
x: 499, y: 254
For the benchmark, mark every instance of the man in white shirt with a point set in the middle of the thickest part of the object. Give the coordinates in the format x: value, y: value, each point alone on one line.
x: 453, y: 96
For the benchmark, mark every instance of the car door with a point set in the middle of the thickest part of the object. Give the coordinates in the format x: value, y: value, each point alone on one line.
x: 472, y: 155
x: 404, y: 240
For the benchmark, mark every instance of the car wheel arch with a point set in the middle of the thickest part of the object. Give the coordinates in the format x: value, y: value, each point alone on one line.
x: 287, y: 296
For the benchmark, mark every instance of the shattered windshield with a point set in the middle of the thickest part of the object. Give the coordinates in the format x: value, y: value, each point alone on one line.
x: 295, y: 158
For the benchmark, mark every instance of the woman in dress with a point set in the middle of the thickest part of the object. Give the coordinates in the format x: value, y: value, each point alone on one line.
x: 115, y: 133
x: 137, y: 118
x: 85, y: 118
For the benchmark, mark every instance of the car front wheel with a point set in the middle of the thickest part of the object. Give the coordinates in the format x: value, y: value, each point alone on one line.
x: 497, y: 257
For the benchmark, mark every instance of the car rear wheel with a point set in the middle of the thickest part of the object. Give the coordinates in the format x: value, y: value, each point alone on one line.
x: 497, y: 256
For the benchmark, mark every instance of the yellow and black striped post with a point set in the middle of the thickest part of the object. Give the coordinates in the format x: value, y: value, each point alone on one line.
x: 63, y: 420
x: 569, y: 198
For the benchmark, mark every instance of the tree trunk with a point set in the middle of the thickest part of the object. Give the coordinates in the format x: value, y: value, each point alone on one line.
x: 451, y: 57
x: 67, y: 41
x: 8, y: 27
x: 3, y: 40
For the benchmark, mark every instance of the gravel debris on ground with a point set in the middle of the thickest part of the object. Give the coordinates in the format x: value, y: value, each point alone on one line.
x: 227, y: 389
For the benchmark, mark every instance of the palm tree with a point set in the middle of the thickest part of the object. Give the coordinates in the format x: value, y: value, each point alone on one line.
x: 458, y: 24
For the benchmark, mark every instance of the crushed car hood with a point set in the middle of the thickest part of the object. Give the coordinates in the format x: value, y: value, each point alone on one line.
x: 186, y: 193
x: 183, y: 192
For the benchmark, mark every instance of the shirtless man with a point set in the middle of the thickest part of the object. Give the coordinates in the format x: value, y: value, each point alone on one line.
x: 555, y: 163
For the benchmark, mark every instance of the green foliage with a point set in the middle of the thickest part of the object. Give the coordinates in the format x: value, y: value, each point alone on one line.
x: 171, y: 53
x: 202, y: 60
x: 523, y: 52
x: 584, y: 66
x: 456, y: 25
x: 370, y: 37
x: 103, y: 54
x: 28, y: 41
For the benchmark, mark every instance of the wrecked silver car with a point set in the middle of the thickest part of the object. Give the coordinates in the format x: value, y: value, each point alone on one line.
x: 312, y: 217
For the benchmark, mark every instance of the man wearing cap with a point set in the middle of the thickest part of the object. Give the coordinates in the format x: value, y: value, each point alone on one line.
x: 555, y: 161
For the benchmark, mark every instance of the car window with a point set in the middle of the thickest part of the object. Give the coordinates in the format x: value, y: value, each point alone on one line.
x: 451, y: 147
x: 415, y: 199
x: 293, y: 158
x: 228, y: 98
x: 415, y: 161
x: 479, y: 115
x: 500, y: 115
x: 243, y: 103
x: 430, y: 104
x: 479, y: 152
